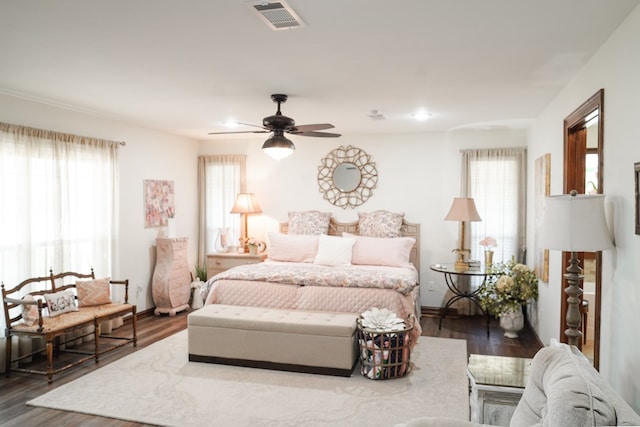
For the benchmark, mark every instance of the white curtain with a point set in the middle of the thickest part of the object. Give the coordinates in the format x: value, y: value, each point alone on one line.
x: 220, y: 179
x: 59, y: 203
x: 497, y: 180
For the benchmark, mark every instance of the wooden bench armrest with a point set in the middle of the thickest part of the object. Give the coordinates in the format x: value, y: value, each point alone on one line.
x: 125, y: 283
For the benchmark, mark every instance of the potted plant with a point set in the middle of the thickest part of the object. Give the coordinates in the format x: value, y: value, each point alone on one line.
x: 506, y: 290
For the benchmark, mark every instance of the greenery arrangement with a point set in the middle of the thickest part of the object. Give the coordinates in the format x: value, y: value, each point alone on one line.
x: 201, y: 272
x: 509, y: 286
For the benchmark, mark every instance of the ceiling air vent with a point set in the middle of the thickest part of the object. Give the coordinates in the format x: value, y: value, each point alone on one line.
x: 278, y: 15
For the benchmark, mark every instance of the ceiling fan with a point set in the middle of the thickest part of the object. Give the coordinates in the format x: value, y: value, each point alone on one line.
x: 278, y: 146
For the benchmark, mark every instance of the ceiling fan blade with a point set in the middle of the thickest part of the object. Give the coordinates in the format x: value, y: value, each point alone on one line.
x: 240, y: 131
x: 316, y: 126
x: 317, y: 134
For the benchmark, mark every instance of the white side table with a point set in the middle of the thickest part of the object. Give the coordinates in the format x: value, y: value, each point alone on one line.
x: 171, y: 286
x: 497, y: 384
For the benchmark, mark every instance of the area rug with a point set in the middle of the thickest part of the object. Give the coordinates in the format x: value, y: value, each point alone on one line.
x: 158, y: 385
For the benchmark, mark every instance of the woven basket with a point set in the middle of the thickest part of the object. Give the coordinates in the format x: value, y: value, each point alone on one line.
x: 385, y: 354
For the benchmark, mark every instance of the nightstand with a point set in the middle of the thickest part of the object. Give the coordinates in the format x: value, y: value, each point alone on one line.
x: 221, y: 261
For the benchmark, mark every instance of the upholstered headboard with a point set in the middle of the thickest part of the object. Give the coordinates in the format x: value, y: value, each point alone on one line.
x: 408, y: 229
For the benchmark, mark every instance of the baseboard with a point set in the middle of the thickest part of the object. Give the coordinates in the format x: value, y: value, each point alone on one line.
x: 437, y: 311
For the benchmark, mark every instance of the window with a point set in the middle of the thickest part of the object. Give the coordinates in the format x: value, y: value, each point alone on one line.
x: 220, y: 179
x: 496, y: 179
x: 58, y: 197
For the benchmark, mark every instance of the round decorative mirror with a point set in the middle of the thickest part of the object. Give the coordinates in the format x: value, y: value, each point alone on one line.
x: 347, y: 177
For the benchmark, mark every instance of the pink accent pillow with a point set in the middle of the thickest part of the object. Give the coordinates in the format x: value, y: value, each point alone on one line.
x: 380, y: 224
x: 292, y: 247
x: 391, y: 252
x: 29, y: 311
x: 93, y: 292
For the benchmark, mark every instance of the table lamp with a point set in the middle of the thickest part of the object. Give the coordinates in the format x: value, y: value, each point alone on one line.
x: 574, y: 223
x: 246, y: 204
x: 462, y: 209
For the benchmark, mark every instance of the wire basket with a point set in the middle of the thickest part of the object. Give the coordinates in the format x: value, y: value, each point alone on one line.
x: 385, y: 354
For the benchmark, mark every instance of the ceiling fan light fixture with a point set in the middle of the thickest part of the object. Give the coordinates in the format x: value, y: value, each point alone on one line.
x: 278, y: 147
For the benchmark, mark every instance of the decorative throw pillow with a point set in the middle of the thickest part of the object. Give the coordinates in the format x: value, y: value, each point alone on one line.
x: 60, y: 302
x: 93, y: 292
x: 309, y: 222
x: 292, y: 248
x: 29, y: 311
x: 391, y: 252
x: 380, y: 224
x: 334, y: 251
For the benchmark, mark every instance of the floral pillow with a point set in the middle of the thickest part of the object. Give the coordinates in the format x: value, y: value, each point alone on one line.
x: 93, y: 292
x: 309, y: 222
x: 29, y: 311
x: 380, y: 224
x: 60, y: 302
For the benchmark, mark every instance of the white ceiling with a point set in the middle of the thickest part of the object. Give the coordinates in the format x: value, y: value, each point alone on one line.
x: 187, y: 66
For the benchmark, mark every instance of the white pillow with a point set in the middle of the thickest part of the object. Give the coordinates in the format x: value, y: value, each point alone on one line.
x: 60, y: 302
x: 334, y: 251
x: 292, y: 247
x: 391, y: 252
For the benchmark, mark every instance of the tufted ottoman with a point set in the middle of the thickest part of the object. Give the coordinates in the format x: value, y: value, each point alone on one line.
x: 291, y: 340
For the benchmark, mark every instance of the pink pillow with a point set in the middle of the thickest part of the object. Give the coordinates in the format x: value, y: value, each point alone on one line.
x: 391, y: 252
x: 29, y: 311
x: 292, y: 247
x: 93, y: 292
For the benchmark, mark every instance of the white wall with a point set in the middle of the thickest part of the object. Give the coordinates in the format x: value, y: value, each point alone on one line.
x: 616, y: 68
x: 147, y: 155
x: 417, y: 174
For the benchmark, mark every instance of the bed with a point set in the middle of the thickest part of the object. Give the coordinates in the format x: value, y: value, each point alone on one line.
x: 306, y: 270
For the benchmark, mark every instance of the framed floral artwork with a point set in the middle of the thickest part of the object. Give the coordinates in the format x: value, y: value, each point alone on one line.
x: 159, y: 197
x: 542, y: 189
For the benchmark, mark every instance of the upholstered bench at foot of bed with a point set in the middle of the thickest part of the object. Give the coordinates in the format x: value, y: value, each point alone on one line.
x: 291, y: 340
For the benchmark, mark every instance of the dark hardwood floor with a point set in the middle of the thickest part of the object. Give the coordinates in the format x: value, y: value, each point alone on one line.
x: 18, y: 388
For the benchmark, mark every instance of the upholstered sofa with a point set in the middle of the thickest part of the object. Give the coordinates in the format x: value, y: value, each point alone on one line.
x: 563, y: 390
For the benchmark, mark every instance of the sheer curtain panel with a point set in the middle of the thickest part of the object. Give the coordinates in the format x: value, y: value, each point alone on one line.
x: 497, y: 181
x: 59, y: 203
x: 220, y: 179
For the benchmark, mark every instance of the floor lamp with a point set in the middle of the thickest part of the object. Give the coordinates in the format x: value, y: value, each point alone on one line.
x: 462, y: 209
x: 246, y: 204
x: 574, y: 223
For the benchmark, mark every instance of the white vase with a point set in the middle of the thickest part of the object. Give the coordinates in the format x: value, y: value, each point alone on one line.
x: 222, y: 240
x: 512, y: 322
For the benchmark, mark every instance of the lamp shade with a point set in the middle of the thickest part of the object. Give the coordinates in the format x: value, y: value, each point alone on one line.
x: 246, y: 203
x: 278, y: 146
x: 463, y: 209
x: 575, y: 223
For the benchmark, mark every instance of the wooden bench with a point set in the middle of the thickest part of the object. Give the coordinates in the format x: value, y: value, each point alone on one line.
x: 52, y: 329
x: 290, y: 340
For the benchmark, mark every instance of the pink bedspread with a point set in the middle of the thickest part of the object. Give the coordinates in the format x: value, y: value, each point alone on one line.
x: 296, y: 286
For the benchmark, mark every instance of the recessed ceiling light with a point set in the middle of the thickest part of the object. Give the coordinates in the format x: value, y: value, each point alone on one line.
x: 231, y: 123
x: 421, y: 115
